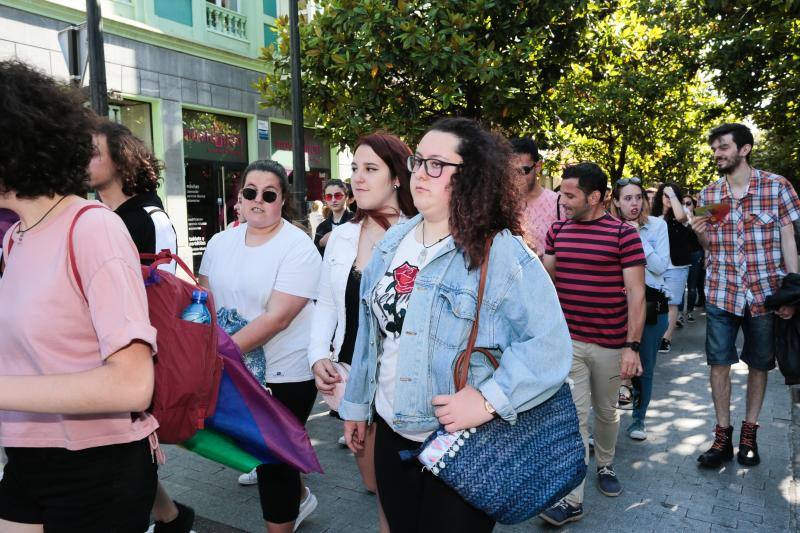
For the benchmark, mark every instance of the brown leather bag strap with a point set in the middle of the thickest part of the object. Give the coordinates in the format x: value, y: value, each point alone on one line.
x: 461, y: 369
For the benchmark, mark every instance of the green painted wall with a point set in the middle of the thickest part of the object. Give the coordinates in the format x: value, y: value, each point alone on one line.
x: 176, y: 10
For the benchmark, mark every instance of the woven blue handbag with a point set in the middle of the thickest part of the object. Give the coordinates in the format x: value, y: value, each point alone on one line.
x: 510, y: 472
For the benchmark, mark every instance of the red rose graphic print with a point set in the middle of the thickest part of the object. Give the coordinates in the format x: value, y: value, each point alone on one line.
x: 404, y: 277
x: 394, y: 300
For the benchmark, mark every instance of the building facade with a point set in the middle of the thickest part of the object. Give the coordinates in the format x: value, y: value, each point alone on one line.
x: 180, y: 74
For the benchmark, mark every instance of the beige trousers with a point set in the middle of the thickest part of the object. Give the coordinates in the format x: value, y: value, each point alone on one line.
x: 595, y: 373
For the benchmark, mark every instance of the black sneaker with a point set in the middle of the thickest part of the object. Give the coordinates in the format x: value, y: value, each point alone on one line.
x: 561, y: 513
x: 721, y: 450
x: 679, y: 323
x: 665, y: 346
x: 181, y: 524
x: 607, y: 481
x: 748, y: 447
x: 689, y: 317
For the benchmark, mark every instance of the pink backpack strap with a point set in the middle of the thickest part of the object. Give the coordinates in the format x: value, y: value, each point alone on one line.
x: 73, y: 263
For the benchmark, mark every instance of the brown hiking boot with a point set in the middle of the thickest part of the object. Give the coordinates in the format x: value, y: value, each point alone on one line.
x: 721, y: 450
x: 748, y: 447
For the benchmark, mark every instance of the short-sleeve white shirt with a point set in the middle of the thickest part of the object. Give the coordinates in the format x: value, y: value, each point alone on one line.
x: 243, y: 277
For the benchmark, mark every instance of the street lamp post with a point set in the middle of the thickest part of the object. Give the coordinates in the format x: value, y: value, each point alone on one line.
x: 298, y: 144
x: 97, y: 59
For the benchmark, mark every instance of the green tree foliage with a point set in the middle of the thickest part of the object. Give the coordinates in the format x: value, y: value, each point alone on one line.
x: 635, y: 100
x: 373, y: 64
x: 754, y: 51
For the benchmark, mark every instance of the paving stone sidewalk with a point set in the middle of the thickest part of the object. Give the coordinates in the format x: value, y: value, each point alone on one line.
x: 664, y: 490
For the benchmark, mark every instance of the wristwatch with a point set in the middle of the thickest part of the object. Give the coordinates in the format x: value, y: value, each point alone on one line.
x: 633, y: 345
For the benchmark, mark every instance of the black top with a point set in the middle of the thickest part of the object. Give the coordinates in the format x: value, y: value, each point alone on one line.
x: 351, y: 295
x: 147, y: 223
x: 679, y: 245
x: 326, y: 226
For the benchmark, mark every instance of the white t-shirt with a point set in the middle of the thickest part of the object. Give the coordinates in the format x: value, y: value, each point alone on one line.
x: 243, y: 277
x: 389, y: 303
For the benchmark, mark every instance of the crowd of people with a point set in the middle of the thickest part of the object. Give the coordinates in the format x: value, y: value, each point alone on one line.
x: 586, y: 285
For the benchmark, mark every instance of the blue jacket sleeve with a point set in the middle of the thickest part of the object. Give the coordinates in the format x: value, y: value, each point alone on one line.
x: 537, y: 355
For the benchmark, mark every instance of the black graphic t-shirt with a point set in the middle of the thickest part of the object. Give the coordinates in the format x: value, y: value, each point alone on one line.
x: 389, y: 303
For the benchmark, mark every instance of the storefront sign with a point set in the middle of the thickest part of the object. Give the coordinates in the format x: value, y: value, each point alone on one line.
x: 214, y: 137
x: 263, y: 130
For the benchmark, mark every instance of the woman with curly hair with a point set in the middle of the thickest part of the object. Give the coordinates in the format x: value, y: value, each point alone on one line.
x: 420, y: 297
x: 126, y: 175
x: 668, y: 205
x: 76, y: 358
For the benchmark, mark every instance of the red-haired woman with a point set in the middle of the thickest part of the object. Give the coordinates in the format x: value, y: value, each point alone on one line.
x: 380, y: 182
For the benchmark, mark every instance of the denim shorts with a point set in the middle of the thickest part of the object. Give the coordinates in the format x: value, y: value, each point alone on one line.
x: 675, y: 280
x: 759, y: 339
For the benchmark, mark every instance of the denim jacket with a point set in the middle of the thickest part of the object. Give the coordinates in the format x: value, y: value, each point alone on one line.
x: 520, y: 320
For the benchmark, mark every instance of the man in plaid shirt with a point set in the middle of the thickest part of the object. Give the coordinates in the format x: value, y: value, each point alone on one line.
x: 749, y: 249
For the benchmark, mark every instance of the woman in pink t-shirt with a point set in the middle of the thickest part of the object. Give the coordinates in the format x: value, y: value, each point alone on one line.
x: 73, y: 366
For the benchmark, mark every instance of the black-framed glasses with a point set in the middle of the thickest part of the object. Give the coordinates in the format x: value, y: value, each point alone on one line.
x: 433, y: 167
x: 625, y: 181
x: 268, y: 195
x: 525, y: 169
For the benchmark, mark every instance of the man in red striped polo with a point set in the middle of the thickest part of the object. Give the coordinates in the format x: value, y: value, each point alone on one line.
x: 597, y: 265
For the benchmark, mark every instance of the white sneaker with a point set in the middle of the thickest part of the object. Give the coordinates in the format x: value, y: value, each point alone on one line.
x: 250, y: 478
x: 307, y: 507
x: 342, y: 441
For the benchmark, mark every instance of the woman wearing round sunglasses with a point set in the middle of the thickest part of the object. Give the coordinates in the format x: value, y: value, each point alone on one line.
x: 419, y: 294
x: 267, y: 270
x: 335, y: 197
x: 629, y: 203
x: 380, y: 183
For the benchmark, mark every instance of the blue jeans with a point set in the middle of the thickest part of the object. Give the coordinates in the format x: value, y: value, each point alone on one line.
x: 651, y: 338
x: 694, y: 285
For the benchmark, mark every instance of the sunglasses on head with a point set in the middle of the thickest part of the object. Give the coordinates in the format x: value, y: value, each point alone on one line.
x: 335, y: 196
x: 624, y: 181
x: 526, y: 169
x: 268, y: 195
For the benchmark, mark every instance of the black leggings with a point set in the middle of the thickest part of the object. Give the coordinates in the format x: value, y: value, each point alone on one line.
x: 279, y: 485
x: 413, y: 499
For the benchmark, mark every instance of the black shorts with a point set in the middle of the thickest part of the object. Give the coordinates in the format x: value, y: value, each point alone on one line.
x: 413, y: 499
x: 104, y: 489
x: 279, y: 484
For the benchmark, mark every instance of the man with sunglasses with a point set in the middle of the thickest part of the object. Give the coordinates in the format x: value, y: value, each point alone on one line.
x: 542, y: 205
x: 335, y: 197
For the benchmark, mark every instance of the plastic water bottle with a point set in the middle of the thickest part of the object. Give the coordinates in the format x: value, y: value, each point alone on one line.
x: 197, y: 310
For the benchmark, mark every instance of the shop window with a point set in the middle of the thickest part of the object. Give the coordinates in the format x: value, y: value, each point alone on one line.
x: 137, y: 116
x: 271, y: 8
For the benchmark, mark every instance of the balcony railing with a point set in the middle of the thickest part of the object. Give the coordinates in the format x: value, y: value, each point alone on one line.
x: 226, y: 22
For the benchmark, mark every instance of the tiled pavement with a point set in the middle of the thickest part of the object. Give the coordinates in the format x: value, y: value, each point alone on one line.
x: 664, y: 490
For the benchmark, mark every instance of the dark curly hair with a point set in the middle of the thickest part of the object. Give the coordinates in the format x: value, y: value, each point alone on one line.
x: 273, y: 167
x: 394, y: 153
x: 486, y: 197
x: 137, y: 166
x: 46, y: 142
x: 658, y: 200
